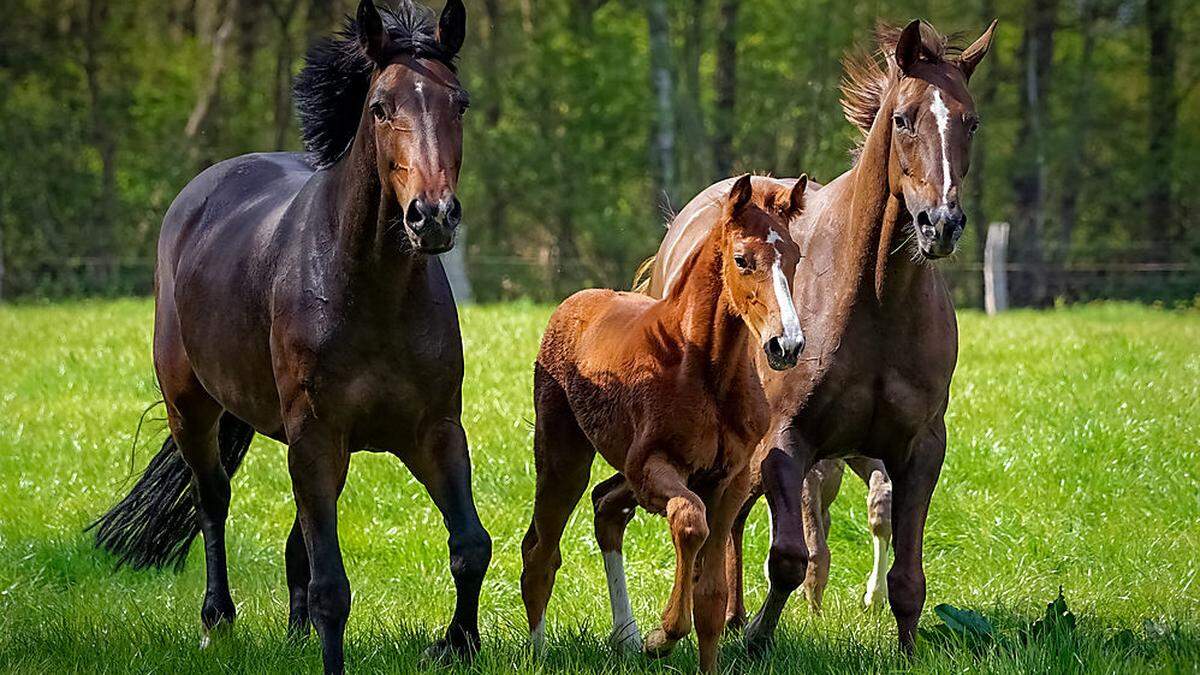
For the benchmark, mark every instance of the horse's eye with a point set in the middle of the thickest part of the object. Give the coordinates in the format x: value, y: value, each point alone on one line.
x: 901, y: 121
x: 972, y: 126
x: 741, y: 262
x: 378, y: 112
x: 463, y: 108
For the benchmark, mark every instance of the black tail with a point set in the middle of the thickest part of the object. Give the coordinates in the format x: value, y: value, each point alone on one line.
x: 154, y: 525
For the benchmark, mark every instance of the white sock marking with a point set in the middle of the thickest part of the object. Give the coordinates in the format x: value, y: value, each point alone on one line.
x: 625, y: 630
x: 942, y: 114
x: 537, y: 636
x: 877, y: 582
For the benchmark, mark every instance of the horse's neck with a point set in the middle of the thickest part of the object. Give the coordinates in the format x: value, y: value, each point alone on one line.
x: 704, y: 318
x: 869, y: 223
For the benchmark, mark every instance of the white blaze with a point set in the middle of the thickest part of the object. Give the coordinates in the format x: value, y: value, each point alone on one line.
x: 942, y: 114
x: 783, y: 294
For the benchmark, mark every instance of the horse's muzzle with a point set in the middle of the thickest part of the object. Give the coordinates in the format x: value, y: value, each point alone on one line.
x: 432, y: 227
x: 783, y: 351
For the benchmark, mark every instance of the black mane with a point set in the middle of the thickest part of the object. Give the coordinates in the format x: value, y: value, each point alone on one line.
x: 331, y: 89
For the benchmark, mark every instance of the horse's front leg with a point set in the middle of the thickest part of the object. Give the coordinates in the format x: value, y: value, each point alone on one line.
x: 711, y: 592
x: 318, y: 461
x: 443, y: 465
x: 298, y: 575
x: 783, y: 469
x: 914, y: 476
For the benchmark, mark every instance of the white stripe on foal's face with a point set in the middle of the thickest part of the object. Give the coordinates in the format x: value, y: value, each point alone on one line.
x: 942, y: 114
x: 783, y: 293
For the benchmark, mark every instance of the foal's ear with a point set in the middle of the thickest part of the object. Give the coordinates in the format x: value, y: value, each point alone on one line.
x: 452, y: 26
x: 740, y: 193
x: 371, y: 34
x: 972, y: 55
x: 909, y: 46
x: 795, y: 199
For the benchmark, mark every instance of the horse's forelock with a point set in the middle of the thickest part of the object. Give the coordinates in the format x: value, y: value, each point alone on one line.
x: 331, y: 89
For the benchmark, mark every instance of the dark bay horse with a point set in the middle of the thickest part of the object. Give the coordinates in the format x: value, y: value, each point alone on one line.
x: 880, y: 322
x: 666, y: 391
x: 299, y: 297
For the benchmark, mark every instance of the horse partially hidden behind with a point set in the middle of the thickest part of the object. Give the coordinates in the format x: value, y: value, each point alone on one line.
x: 298, y: 297
x: 882, y: 326
x: 667, y: 393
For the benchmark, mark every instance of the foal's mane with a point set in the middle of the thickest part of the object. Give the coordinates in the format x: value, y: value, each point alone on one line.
x: 868, y: 76
x: 332, y: 87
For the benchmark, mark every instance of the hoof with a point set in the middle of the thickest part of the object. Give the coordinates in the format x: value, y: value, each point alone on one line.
x: 445, y: 652
x: 626, y: 639
x: 735, y: 624
x: 757, y: 643
x: 209, y: 636
x: 658, y: 644
x: 873, y: 600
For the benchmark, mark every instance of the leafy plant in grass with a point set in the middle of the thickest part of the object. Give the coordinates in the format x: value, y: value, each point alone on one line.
x: 1058, y: 622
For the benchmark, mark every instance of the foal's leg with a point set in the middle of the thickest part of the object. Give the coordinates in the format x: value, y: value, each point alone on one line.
x: 192, y: 416
x: 735, y: 607
x: 665, y: 490
x: 711, y: 592
x: 298, y: 576
x: 914, y: 477
x: 613, y: 503
x: 563, y: 460
x: 443, y: 466
x: 821, y: 486
x: 879, y: 520
x: 318, y: 461
x: 783, y: 476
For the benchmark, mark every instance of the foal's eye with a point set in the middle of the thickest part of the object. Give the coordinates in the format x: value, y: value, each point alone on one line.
x: 741, y: 262
x: 901, y: 121
x: 378, y: 112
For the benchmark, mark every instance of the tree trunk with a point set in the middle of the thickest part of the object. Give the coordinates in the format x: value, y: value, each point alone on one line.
x: 283, y: 11
x: 1029, y: 180
x: 1077, y: 134
x: 198, y: 123
x: 663, y: 146
x: 1164, y: 113
x: 695, y: 165
x: 725, y: 83
x: 985, y: 97
x: 103, y: 138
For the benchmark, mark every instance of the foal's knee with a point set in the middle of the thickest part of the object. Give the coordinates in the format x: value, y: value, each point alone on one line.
x: 787, y: 565
x: 688, y: 522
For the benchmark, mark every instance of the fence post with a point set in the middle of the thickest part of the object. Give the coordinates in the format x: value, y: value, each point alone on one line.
x: 995, y: 258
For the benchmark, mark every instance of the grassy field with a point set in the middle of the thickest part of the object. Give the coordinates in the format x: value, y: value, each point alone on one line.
x: 1073, y: 462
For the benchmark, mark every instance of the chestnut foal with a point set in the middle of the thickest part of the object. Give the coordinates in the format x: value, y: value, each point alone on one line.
x: 666, y: 390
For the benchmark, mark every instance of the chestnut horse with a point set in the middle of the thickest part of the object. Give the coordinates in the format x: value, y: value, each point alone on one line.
x: 299, y: 298
x: 667, y: 393
x: 881, y: 324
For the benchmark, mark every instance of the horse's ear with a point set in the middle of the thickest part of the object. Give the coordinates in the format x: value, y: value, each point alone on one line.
x: 371, y: 34
x: 908, y: 46
x: 452, y: 26
x: 740, y: 193
x: 972, y: 55
x: 795, y: 202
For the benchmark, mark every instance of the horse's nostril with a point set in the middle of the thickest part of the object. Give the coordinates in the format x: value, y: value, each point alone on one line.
x: 414, y: 215
x: 923, y: 219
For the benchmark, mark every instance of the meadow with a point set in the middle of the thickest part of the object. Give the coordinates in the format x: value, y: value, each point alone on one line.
x: 1073, y: 463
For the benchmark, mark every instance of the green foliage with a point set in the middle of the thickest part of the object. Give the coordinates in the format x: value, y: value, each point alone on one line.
x: 558, y: 180
x: 1072, y: 463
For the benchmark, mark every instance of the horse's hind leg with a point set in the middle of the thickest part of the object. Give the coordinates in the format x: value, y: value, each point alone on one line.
x: 192, y: 415
x: 711, y: 591
x: 298, y: 577
x: 613, y: 503
x: 563, y: 459
x: 879, y: 519
x: 821, y: 486
x: 735, y: 607
x: 443, y: 465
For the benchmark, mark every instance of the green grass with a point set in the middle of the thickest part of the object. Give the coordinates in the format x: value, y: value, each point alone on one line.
x: 1073, y: 462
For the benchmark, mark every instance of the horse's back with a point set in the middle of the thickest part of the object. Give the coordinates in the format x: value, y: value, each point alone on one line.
x: 689, y: 227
